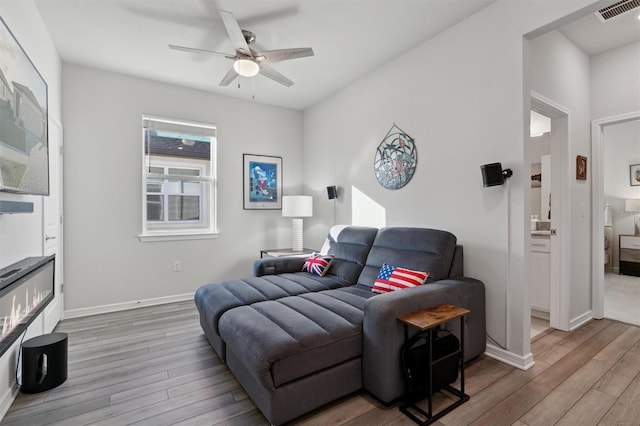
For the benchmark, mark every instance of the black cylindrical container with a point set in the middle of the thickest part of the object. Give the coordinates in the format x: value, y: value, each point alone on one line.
x: 44, y: 362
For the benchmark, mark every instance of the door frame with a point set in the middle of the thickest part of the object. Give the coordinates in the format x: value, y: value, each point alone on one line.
x: 55, y: 311
x: 597, y: 206
x: 560, y: 256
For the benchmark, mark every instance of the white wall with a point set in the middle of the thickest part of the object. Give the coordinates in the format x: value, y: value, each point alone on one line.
x: 615, y: 85
x: 560, y: 72
x: 21, y: 235
x: 460, y: 95
x: 621, y: 148
x: 105, y: 262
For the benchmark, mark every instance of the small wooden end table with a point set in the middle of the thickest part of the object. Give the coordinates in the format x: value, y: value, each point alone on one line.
x: 285, y: 252
x: 428, y: 319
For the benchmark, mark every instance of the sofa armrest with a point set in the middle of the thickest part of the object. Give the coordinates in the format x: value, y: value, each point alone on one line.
x: 278, y: 265
x: 383, y: 334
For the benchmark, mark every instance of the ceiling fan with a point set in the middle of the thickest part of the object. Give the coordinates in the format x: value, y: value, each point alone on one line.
x: 248, y: 62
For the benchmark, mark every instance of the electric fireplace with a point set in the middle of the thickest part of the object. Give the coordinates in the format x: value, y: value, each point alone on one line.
x: 26, y: 288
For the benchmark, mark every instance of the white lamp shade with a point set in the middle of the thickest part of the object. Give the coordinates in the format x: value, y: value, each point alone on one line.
x: 297, y: 206
x: 246, y: 67
x: 632, y: 205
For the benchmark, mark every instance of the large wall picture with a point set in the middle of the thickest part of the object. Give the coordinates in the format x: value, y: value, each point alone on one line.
x: 396, y: 159
x: 262, y: 177
x: 24, y: 157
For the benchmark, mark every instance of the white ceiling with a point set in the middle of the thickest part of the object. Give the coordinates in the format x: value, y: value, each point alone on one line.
x: 349, y: 37
x: 594, y: 37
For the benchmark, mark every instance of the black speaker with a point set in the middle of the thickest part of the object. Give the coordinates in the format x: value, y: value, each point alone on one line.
x: 44, y: 362
x: 493, y: 175
x: 332, y: 192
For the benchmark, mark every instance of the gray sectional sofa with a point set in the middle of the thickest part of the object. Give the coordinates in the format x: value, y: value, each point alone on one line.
x: 297, y: 341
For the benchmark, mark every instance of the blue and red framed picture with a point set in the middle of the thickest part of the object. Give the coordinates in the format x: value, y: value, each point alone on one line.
x: 262, y: 178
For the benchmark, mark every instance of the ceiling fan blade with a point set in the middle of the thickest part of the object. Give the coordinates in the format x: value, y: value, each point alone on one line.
x: 274, y: 75
x: 195, y: 50
x: 235, y: 33
x: 285, y: 54
x: 231, y: 75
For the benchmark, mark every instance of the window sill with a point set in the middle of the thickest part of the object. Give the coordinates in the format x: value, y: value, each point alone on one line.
x: 177, y: 236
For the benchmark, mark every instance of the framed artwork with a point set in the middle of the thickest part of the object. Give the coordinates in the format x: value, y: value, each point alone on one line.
x: 24, y: 135
x: 634, y: 174
x: 581, y: 167
x: 396, y: 159
x: 262, y: 178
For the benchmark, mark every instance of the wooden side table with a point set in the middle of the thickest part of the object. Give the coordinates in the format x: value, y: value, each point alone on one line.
x: 285, y: 252
x: 428, y: 319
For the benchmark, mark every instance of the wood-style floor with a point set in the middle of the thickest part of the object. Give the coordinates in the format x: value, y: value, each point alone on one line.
x: 153, y: 366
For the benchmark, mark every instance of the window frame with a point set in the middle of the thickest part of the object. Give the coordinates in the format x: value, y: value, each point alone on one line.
x: 206, y: 226
x: 166, y: 177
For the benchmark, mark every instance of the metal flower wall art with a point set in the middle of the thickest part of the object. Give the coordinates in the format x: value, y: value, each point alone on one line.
x: 396, y: 159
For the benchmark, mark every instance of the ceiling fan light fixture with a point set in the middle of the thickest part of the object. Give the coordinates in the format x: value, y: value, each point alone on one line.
x: 246, y: 67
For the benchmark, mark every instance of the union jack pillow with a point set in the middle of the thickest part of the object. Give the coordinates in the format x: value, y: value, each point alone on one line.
x: 391, y: 278
x: 318, y: 264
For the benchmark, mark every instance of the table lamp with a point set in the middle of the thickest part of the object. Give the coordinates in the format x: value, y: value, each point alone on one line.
x: 297, y: 207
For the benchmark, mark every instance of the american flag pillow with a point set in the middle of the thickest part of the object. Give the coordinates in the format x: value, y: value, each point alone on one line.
x: 391, y: 278
x: 318, y: 264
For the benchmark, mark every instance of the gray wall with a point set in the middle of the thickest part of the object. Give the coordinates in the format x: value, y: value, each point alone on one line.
x: 21, y: 235
x: 561, y: 72
x: 105, y: 262
x: 615, y: 86
x: 460, y: 95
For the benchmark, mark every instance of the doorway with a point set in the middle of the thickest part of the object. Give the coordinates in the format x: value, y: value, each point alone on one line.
x: 540, y: 159
x: 559, y: 212
x: 614, y: 187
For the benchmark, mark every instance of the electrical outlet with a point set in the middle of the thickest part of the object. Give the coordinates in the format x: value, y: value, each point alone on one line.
x: 177, y: 266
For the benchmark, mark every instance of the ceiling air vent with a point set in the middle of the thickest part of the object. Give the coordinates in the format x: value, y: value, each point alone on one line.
x: 617, y: 9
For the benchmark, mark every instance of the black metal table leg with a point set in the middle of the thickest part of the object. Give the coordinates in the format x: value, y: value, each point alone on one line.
x: 409, y: 408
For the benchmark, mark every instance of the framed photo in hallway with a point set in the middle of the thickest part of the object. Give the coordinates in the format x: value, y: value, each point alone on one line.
x: 634, y: 174
x: 581, y: 167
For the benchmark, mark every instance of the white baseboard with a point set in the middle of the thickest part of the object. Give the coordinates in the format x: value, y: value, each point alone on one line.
x: 115, y: 307
x: 540, y: 314
x: 580, y: 320
x: 10, y: 394
x: 522, y: 362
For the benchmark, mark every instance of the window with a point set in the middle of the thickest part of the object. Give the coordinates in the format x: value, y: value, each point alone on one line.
x: 178, y: 178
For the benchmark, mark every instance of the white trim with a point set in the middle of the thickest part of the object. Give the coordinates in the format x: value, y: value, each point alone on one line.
x: 597, y: 207
x: 560, y: 295
x: 10, y: 394
x: 522, y: 362
x: 166, y: 236
x: 540, y: 314
x: 580, y: 320
x: 208, y: 198
x: 115, y: 307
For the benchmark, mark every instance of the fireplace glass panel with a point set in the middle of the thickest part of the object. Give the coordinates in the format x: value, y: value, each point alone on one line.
x: 22, y: 300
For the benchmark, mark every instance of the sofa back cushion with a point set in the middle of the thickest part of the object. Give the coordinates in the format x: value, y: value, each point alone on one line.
x: 420, y: 249
x: 350, y: 245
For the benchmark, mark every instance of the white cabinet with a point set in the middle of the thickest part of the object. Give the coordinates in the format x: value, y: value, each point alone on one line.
x: 540, y: 276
